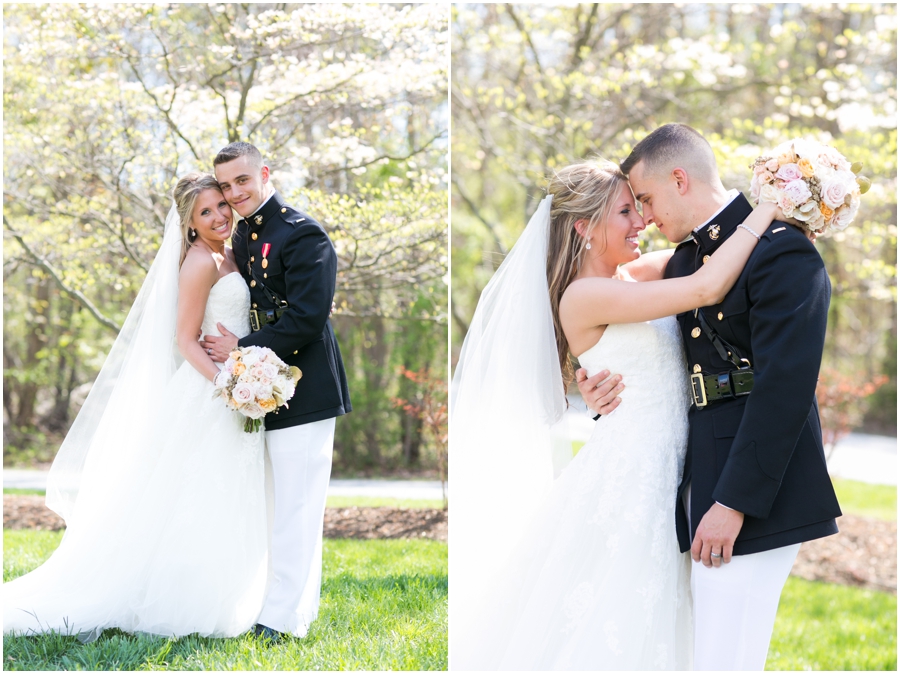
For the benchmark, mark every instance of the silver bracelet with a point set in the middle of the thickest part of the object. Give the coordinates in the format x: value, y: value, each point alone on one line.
x: 743, y: 226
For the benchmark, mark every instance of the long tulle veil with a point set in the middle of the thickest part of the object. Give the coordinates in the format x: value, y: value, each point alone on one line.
x: 107, y: 436
x: 506, y: 395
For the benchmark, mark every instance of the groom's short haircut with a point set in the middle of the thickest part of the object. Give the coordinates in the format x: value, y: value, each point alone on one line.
x: 240, y: 149
x: 672, y: 146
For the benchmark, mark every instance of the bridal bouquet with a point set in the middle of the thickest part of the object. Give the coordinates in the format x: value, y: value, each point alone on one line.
x: 811, y: 182
x: 254, y: 381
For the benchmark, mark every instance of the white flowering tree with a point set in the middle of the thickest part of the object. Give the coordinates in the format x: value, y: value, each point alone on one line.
x: 539, y: 86
x: 106, y: 105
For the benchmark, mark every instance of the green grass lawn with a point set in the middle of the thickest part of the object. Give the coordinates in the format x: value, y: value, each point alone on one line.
x: 833, y: 627
x: 866, y: 500
x: 384, y: 607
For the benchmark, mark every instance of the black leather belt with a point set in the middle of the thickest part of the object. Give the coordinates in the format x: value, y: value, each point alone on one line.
x: 259, y: 318
x: 711, y: 388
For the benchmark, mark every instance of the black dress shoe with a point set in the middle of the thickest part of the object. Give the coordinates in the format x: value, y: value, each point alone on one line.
x: 267, y: 633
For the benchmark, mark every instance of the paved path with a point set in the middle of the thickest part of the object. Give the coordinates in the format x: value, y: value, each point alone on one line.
x: 867, y: 458
x: 408, y: 489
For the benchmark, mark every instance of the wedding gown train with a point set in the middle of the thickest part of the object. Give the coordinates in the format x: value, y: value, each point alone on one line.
x: 176, y: 543
x: 598, y: 581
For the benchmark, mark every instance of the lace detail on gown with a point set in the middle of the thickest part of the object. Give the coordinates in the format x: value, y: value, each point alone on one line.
x: 176, y: 544
x: 598, y: 582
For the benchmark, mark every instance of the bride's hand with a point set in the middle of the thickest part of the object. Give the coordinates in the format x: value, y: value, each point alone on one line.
x: 779, y: 215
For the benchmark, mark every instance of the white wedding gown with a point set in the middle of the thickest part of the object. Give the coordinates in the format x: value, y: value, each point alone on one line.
x: 598, y: 581
x: 176, y: 543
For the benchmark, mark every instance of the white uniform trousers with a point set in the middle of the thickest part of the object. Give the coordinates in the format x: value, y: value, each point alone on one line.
x: 735, y: 607
x: 301, y: 467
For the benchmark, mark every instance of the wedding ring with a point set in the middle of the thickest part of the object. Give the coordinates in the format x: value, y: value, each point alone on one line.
x: 209, y: 352
x: 715, y: 555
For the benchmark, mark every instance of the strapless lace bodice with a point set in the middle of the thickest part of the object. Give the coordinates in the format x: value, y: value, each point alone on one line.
x: 228, y: 304
x: 650, y: 358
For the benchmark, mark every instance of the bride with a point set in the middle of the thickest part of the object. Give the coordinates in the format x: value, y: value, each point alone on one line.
x: 162, y: 492
x: 586, y: 573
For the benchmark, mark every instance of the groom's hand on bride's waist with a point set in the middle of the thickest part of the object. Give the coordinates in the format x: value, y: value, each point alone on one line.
x: 218, y: 348
x: 600, y: 392
x: 714, y: 541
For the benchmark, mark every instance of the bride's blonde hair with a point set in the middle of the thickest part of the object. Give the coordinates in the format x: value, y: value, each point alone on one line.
x: 580, y: 192
x: 185, y: 194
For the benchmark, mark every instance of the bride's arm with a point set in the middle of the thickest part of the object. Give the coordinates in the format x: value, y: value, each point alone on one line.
x: 591, y: 302
x: 198, y: 274
x: 649, y: 266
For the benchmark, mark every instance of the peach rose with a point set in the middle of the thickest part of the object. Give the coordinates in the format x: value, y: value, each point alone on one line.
x: 806, y: 168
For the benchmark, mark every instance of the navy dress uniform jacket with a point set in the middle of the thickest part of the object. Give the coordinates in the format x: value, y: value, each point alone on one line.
x: 300, y: 267
x: 762, y: 453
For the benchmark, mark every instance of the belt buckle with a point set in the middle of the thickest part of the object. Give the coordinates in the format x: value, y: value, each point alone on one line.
x: 254, y: 320
x: 698, y: 390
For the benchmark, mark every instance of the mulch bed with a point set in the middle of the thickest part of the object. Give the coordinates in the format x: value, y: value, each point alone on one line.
x: 29, y: 512
x: 863, y: 554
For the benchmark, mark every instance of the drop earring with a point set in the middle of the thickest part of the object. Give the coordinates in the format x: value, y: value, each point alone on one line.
x: 588, y: 246
x: 193, y: 233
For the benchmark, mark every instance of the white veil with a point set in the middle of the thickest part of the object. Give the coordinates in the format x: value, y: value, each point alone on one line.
x: 105, y: 440
x: 506, y: 394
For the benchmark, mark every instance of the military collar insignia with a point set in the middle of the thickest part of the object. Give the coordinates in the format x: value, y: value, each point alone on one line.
x: 714, y: 234
x: 258, y: 220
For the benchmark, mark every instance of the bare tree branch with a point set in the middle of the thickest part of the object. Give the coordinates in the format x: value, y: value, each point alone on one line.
x: 77, y: 295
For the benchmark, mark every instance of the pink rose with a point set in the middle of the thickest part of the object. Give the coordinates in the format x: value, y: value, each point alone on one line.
x: 786, y: 206
x: 242, y: 393
x: 797, y: 191
x: 767, y: 178
x: 759, y: 168
x: 836, y: 188
x: 772, y: 165
x: 270, y: 370
x: 789, y: 173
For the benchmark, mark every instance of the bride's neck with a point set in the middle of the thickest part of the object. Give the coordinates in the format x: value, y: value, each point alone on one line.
x: 595, y: 266
x: 217, y: 249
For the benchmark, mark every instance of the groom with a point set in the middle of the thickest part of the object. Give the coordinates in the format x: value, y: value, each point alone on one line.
x: 755, y: 483
x: 290, y: 265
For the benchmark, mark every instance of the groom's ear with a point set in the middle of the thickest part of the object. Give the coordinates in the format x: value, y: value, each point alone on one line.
x: 680, y: 176
x: 265, y: 174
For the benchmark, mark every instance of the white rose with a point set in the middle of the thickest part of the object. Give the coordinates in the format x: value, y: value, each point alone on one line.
x: 768, y: 194
x: 251, y: 358
x: 806, y: 212
x: 270, y: 370
x: 844, y: 216
x: 253, y: 410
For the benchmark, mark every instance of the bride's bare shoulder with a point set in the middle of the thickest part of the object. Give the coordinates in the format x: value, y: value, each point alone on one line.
x: 198, y: 267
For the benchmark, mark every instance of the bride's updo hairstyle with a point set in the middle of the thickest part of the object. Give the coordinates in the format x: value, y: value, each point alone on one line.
x: 186, y: 192
x: 580, y: 192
